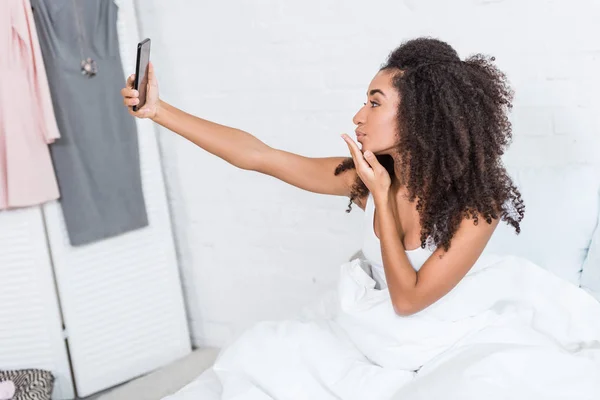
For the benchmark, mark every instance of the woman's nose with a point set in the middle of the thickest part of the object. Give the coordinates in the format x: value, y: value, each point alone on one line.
x: 359, y: 117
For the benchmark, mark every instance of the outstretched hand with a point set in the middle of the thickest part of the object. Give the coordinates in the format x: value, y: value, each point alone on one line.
x: 131, y: 96
x: 371, y: 172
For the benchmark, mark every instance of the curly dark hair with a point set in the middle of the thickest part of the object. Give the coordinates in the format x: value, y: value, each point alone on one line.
x: 452, y: 129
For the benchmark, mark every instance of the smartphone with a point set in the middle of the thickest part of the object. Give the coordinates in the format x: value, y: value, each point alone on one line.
x: 141, y: 70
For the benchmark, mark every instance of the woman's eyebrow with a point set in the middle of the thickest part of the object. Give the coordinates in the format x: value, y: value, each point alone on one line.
x: 373, y: 91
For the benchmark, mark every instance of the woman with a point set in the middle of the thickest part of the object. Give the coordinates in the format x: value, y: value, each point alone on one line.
x: 429, y: 170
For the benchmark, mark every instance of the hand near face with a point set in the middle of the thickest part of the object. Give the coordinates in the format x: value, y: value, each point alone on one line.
x: 371, y: 172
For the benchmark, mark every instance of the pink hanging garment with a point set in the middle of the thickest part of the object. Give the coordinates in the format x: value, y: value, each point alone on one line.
x: 27, y: 123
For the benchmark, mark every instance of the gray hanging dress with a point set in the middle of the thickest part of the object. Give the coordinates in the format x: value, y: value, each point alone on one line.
x: 97, y: 160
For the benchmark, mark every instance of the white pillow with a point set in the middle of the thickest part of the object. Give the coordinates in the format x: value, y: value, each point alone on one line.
x: 590, y: 275
x: 561, y: 213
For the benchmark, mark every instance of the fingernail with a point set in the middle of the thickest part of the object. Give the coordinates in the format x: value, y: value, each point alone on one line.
x: 368, y: 153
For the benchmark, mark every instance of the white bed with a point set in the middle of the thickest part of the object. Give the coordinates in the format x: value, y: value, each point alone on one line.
x: 510, y: 329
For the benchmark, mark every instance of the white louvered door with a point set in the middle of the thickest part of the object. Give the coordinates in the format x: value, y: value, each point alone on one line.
x: 30, y: 324
x: 121, y: 297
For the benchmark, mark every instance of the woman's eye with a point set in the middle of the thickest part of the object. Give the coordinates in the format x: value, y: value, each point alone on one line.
x: 372, y: 103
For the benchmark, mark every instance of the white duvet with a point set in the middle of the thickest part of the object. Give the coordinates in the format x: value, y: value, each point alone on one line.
x: 508, y: 330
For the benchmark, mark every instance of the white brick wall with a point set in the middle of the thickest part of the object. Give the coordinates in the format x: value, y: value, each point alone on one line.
x: 293, y: 74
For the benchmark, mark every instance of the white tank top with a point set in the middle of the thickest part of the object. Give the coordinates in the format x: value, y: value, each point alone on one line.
x: 372, y: 248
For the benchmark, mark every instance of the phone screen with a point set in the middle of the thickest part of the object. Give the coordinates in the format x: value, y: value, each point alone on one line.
x: 141, y: 70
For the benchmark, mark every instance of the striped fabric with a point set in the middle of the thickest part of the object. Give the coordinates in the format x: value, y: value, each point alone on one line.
x: 30, y: 384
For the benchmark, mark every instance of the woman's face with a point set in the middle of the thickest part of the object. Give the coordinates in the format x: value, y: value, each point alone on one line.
x: 376, y: 121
